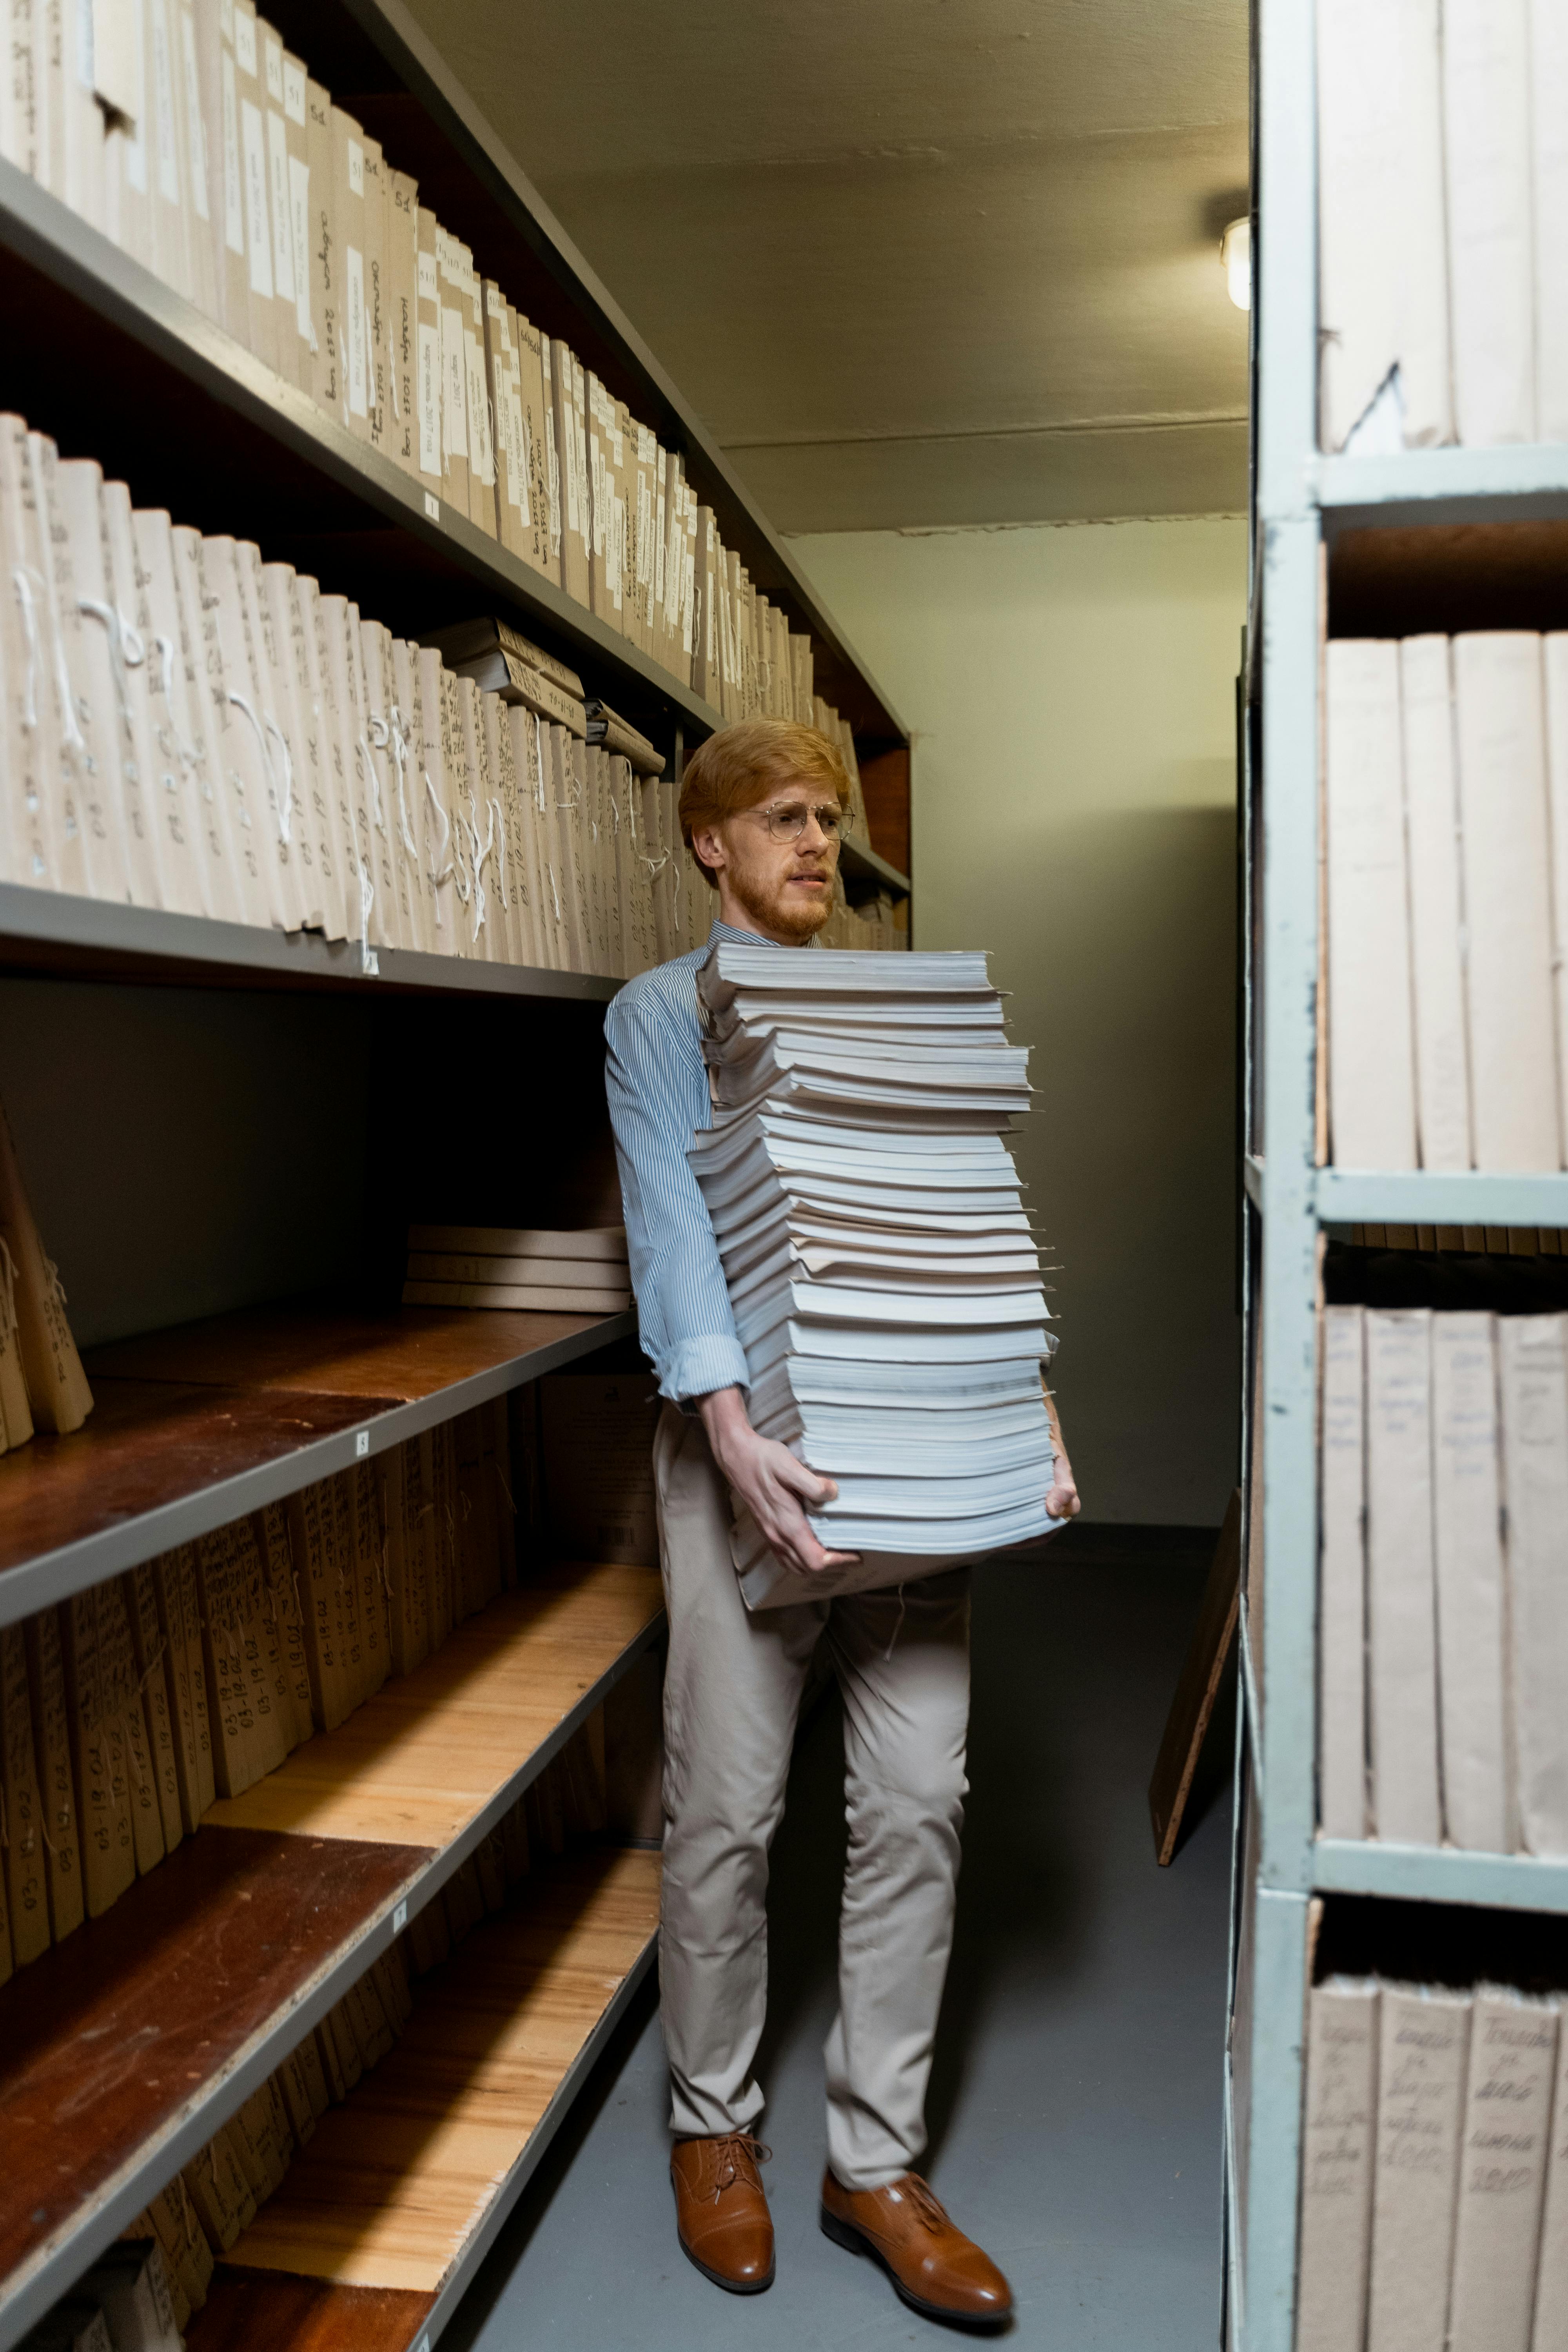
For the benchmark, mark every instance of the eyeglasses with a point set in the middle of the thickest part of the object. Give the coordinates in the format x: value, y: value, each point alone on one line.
x: 786, y: 820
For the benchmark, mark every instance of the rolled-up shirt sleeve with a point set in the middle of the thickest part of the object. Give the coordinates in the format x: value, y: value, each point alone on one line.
x: 686, y: 1325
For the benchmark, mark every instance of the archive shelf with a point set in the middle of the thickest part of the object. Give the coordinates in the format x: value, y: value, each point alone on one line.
x: 1434, y: 1196
x: 1444, y: 486
x: 194, y: 1426
x: 255, y: 455
x: 1305, y: 501
x: 474, y: 1095
x: 1420, y: 1874
x: 381, y: 2220
x: 98, y: 939
x: 144, y: 2032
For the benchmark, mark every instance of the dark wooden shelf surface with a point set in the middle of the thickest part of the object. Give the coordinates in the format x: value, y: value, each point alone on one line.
x: 405, y: 2187
x: 263, y: 2308
x: 196, y: 1425
x: 123, y: 2049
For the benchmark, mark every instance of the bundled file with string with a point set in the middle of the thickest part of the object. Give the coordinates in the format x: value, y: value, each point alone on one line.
x: 185, y: 725
x: 885, y: 1281
x: 275, y: 212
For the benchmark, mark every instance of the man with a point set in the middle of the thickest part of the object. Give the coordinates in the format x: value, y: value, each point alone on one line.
x: 761, y: 809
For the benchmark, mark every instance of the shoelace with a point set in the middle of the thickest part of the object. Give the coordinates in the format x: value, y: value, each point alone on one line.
x: 736, y: 2156
x: 924, y: 2202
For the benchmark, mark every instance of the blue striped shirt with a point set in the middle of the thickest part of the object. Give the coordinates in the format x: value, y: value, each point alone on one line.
x: 657, y: 1085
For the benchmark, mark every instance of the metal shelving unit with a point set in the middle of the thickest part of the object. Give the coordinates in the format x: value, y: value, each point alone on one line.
x: 1304, y: 501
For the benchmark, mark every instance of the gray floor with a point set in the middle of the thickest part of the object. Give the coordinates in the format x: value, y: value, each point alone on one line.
x: 1075, y: 2107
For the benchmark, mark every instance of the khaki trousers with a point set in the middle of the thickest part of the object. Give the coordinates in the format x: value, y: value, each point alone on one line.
x: 732, y: 1693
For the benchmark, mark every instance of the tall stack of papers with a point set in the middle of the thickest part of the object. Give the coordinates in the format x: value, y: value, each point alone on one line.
x: 885, y: 1281
x: 583, y: 1273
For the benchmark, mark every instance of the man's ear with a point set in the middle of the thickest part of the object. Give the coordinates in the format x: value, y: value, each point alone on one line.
x: 707, y: 845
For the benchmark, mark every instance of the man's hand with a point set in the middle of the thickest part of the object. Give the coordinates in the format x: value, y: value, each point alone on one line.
x: 1062, y: 1502
x: 773, y: 1485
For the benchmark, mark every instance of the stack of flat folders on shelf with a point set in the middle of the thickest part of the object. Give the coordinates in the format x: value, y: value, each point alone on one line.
x: 885, y: 1283
x: 581, y: 1273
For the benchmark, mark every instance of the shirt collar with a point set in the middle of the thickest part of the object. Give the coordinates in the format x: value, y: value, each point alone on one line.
x: 750, y: 939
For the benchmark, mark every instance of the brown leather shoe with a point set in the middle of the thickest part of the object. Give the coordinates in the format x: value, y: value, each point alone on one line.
x: 721, y: 2212
x: 935, y: 2268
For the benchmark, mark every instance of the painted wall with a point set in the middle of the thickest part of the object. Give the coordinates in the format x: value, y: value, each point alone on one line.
x: 1070, y: 692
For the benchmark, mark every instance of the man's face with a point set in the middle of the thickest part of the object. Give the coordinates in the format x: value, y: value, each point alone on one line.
x: 781, y: 887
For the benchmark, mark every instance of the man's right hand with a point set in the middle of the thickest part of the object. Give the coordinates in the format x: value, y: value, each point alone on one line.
x: 775, y: 1486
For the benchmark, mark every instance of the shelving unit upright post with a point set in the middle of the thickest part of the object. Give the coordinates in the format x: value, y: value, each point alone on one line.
x: 1304, y: 502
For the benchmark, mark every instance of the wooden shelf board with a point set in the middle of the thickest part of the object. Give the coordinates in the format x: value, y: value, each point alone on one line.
x: 108, y: 2040
x: 247, y: 2308
x: 196, y: 1425
x: 419, y: 1761
x: 122, y: 2050
x: 145, y: 1441
x: 407, y: 1353
x: 861, y: 863
x: 395, y: 2183
x: 54, y: 931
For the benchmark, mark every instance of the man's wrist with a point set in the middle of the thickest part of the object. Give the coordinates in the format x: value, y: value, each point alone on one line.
x: 723, y: 1411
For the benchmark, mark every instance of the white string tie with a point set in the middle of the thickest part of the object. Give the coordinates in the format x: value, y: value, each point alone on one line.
x: 286, y: 813
x: 553, y: 891
x: 480, y: 855
x: 126, y: 652
x: 378, y: 813
x: 499, y: 815
x: 401, y: 744
x: 438, y: 873
x: 22, y: 580
x: 243, y: 703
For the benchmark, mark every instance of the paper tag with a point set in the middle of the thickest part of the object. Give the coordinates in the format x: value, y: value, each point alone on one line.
x: 400, y: 1918
x: 282, y: 210
x: 195, y: 128
x: 272, y: 49
x: 432, y: 506
x: 254, y: 143
x: 294, y: 92
x: 116, y: 75
x: 427, y: 292
x: 233, y: 200
x: 356, y: 168
x: 168, y: 148
x: 359, y: 390
x: 430, y: 409
x: 494, y: 303
x: 299, y: 218
x: 362, y: 1443
x: 244, y: 40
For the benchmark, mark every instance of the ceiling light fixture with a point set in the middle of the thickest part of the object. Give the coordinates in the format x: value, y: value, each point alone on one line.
x: 1236, y: 260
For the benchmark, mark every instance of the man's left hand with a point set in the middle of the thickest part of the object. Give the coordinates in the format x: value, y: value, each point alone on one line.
x: 1062, y: 1501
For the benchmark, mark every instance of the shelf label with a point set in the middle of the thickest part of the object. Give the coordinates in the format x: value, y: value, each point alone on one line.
x: 400, y: 1918
x: 362, y: 1443
x: 432, y: 506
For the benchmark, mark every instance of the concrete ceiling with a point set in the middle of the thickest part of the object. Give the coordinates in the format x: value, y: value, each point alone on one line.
x: 917, y: 262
